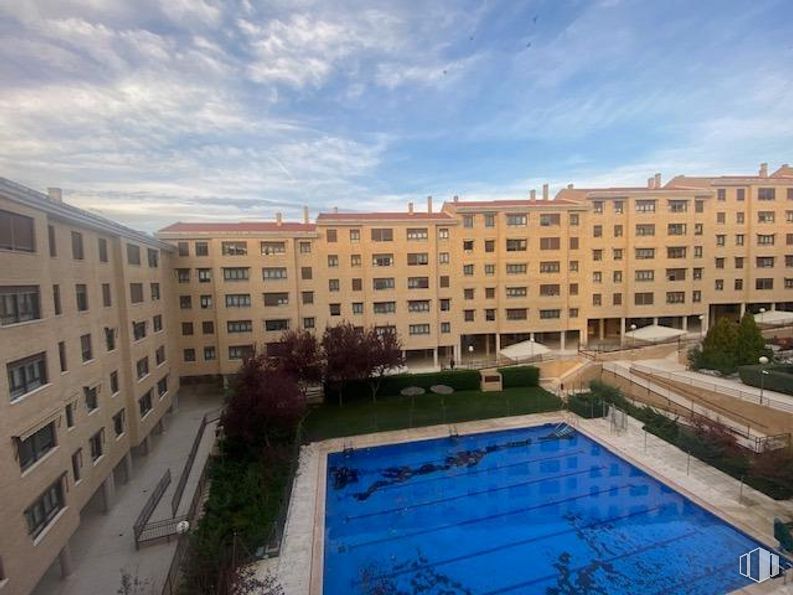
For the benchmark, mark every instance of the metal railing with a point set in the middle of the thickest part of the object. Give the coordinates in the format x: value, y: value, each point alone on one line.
x: 145, y: 514
x: 717, y: 387
x: 176, y: 499
x: 503, y: 362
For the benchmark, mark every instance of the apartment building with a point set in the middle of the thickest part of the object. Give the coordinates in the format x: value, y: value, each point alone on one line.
x: 84, y: 343
x: 478, y: 276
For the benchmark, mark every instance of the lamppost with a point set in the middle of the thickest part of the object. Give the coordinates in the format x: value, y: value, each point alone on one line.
x: 763, y: 373
x: 471, y: 351
x: 762, y: 312
x: 531, y: 344
x: 701, y: 322
x: 633, y: 339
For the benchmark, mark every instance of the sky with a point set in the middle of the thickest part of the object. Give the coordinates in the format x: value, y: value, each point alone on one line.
x: 153, y: 112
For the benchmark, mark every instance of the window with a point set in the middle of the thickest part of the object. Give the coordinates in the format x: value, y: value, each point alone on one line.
x: 114, y: 387
x: 357, y: 307
x: 187, y: 329
x: 133, y: 254
x: 279, y: 324
x: 645, y: 229
x: 720, y: 263
x: 490, y: 293
x: 273, y: 273
x: 678, y: 206
x: 468, y: 293
x: 355, y: 260
x: 19, y: 304
x: 766, y: 193
x: 209, y: 353
x: 645, y: 253
x: 281, y: 298
x: 445, y: 305
x: 272, y: 248
x: 696, y: 296
x: 205, y: 301
x: 305, y: 247
x: 107, y: 296
x: 418, y: 306
x: 645, y: 206
x: 719, y: 284
x: 721, y: 218
x: 721, y: 240
x: 418, y: 233
x: 62, y: 356
x: 573, y: 289
x: 765, y: 262
x: 81, y: 296
x: 490, y: 220
x: 102, y: 249
x: 183, y: 275
x: 159, y: 355
x: 234, y: 248
x: 46, y: 507
x: 306, y: 273
x: 517, y: 292
x: 517, y: 313
x: 382, y: 235
x: 698, y: 229
x: 239, y: 326
x: 468, y: 270
x: 643, y: 299
x: 550, y: 267
x: 240, y: 351
x: 443, y: 281
x: 202, y: 249
x: 35, y: 446
x: 238, y: 300
x: 110, y: 338
x: 550, y: 290
x: 548, y: 219
x: 516, y: 268
x: 552, y: 243
x: 183, y: 248
x: 597, y: 231
x: 142, y: 367
x: 16, y: 232
x: 766, y: 217
x: 765, y: 239
x: 144, y: 404
x: 384, y: 307
x: 236, y: 273
x: 382, y: 260
x: 382, y: 283
x: 616, y: 299
x: 519, y: 245
x: 739, y: 285
x: 573, y: 266
x: 56, y: 299
x: 597, y: 299
x: 333, y: 261
x: 77, y: 464
x: 136, y: 293
x: 468, y: 315
x: 419, y: 329
x: 721, y: 194
x: 208, y: 327
x: 307, y: 297
x: 468, y: 246
x: 574, y: 219
x: 675, y: 274
x: 86, y: 349
x: 597, y: 255
x: 739, y: 262
x: 155, y: 292
x: 597, y: 206
x: 764, y: 284
x: 308, y: 323
x: 597, y: 277
x: 118, y: 423
x: 204, y: 275
x: 53, y: 252
x: 97, y: 445
x: 490, y: 270
x: 675, y: 297
x: 162, y: 385
x: 644, y: 275
x: 517, y: 220
x: 468, y: 221
x: 618, y: 231
x: 418, y: 259
x: 740, y: 194
x: 697, y: 251
x: 443, y: 233
x: 188, y: 355
x: 77, y: 246
x: 153, y: 257
x: 549, y: 314
x: 676, y: 229
x: 446, y: 327
x: 91, y: 395
x: 418, y: 282
x: 157, y: 323
x: 334, y: 285
x: 490, y: 314
x: 616, y: 253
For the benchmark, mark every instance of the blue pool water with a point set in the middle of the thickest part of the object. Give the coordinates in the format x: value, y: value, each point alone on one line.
x: 514, y: 512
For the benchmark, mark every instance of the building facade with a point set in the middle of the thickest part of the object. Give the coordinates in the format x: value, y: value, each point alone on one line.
x: 87, y: 370
x: 475, y: 277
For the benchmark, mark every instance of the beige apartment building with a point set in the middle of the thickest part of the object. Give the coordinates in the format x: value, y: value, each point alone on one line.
x: 100, y: 323
x: 475, y: 277
x: 84, y: 342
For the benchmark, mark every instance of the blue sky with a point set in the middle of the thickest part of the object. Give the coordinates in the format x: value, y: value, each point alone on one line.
x: 151, y: 112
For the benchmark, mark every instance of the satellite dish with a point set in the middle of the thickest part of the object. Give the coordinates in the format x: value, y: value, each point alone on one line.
x: 182, y: 527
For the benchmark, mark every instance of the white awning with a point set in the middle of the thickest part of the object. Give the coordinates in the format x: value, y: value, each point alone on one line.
x: 524, y: 350
x: 774, y: 318
x: 655, y: 333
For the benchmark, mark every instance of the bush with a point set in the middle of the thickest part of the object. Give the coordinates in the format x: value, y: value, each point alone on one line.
x: 393, y: 385
x: 779, y: 377
x: 519, y: 376
x: 586, y: 405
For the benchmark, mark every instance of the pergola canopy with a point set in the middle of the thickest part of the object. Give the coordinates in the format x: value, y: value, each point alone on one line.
x: 655, y: 333
x: 524, y: 350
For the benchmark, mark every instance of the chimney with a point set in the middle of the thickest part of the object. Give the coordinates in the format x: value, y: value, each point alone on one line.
x: 533, y: 194
x: 763, y: 170
x: 55, y: 194
x: 651, y: 182
x: 335, y: 209
x: 410, y: 208
x: 278, y: 219
x: 456, y: 198
x: 569, y: 186
x: 429, y: 204
x: 545, y: 191
x: 657, y: 181
x: 305, y: 215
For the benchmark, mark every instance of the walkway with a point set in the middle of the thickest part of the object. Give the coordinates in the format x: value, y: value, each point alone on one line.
x: 104, y: 546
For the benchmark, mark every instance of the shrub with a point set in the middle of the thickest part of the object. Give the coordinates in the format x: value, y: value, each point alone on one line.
x: 779, y: 377
x: 393, y: 385
x: 519, y: 376
x: 586, y: 405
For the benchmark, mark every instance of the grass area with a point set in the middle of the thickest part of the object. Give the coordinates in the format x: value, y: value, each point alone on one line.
x: 396, y: 413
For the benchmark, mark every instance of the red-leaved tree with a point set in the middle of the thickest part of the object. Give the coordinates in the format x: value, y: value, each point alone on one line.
x: 384, y: 353
x: 265, y: 406
x: 346, y: 358
x: 300, y: 356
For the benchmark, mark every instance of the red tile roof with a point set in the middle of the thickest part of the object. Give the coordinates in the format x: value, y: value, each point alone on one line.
x: 242, y: 226
x: 381, y: 216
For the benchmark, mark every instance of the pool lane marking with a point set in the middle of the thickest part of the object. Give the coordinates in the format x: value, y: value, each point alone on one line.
x: 476, y: 471
x: 641, y: 550
x: 374, y: 513
x: 484, y: 518
x: 522, y: 542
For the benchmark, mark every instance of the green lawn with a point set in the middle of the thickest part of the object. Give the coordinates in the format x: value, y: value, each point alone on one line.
x: 396, y: 413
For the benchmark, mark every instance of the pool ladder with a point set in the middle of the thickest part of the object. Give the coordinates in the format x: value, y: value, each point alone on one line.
x: 453, y: 433
x: 562, y: 430
x: 347, y: 448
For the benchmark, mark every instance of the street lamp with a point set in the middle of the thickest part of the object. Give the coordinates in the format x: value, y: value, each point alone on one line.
x: 531, y: 344
x: 701, y: 321
x: 763, y: 373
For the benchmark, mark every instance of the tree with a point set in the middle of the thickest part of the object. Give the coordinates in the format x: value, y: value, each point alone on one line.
x: 384, y: 350
x: 346, y: 357
x: 718, y: 348
x: 750, y: 343
x: 264, y: 407
x: 300, y: 356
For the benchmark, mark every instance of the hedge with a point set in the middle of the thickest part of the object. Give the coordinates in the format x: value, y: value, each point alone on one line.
x: 779, y: 377
x: 519, y: 376
x: 586, y: 405
x: 393, y: 385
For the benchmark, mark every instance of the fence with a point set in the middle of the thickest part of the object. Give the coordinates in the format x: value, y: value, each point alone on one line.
x: 717, y: 387
x: 273, y: 548
x: 176, y: 499
x: 502, y: 361
x: 145, y: 514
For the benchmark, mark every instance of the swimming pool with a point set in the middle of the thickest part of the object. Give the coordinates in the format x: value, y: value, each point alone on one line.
x: 515, y: 511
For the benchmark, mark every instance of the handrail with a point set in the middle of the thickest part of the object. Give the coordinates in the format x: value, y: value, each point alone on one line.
x: 176, y: 499
x: 717, y: 387
x: 148, y: 508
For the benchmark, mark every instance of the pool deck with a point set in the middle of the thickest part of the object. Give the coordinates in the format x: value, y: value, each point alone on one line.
x: 299, y: 567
